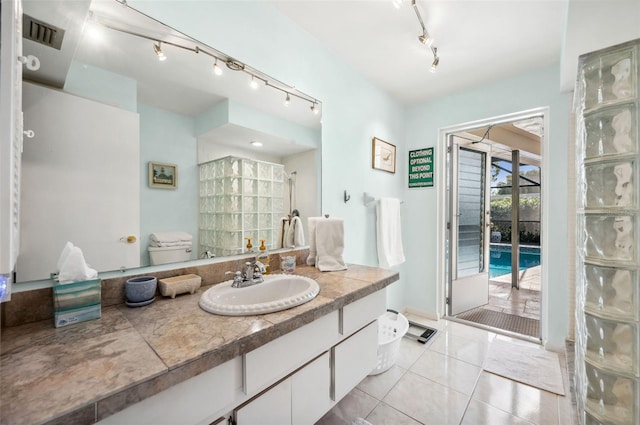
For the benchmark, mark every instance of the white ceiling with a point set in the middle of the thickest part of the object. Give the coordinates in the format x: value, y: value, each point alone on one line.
x: 478, y: 41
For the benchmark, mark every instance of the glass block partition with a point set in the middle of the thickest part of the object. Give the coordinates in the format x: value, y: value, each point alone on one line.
x: 607, y: 363
x: 240, y: 198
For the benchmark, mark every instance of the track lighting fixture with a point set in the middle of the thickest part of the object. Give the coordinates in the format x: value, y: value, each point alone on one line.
x: 425, y: 38
x: 158, y: 50
x: 216, y: 69
x: 436, y: 59
x: 218, y: 56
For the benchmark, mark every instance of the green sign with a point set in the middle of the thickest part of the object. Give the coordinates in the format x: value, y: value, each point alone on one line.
x: 421, y: 168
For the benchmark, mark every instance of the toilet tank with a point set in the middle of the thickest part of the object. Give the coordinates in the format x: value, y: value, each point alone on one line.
x: 170, y: 254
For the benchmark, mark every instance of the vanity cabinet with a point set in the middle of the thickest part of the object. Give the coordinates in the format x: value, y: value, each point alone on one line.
x: 294, y: 379
x: 608, y: 218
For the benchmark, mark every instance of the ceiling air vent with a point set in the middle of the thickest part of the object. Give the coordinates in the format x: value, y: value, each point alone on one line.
x: 41, y: 32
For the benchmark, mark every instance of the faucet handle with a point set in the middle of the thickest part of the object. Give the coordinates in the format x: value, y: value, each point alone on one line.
x: 261, y: 267
x: 237, y: 277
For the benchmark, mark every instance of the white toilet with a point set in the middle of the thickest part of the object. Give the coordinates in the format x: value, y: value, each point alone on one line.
x: 169, y: 254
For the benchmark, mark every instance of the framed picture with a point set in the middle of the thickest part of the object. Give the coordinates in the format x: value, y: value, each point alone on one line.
x: 162, y: 175
x: 383, y: 155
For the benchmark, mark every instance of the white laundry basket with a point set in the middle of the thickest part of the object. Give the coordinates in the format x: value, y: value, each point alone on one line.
x: 391, y: 328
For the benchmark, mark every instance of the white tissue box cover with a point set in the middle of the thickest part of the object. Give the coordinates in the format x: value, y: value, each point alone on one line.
x: 172, y: 286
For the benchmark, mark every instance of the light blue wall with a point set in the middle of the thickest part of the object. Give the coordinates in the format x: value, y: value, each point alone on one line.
x: 167, y: 137
x: 229, y: 111
x: 539, y: 88
x: 101, y: 85
x: 354, y: 110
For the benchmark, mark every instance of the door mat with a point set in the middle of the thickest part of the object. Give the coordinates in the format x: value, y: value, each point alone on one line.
x: 530, y: 365
x: 508, y: 322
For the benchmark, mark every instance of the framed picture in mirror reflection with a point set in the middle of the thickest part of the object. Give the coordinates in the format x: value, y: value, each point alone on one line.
x: 163, y: 176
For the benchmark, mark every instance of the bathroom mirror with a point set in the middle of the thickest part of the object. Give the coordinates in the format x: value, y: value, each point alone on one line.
x: 126, y: 108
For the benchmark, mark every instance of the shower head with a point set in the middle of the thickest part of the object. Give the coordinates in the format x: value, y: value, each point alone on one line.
x: 291, y: 176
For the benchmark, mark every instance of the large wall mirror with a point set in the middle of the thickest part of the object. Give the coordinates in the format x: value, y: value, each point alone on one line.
x: 103, y: 106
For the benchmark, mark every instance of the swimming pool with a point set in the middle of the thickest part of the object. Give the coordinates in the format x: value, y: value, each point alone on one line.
x: 500, y: 259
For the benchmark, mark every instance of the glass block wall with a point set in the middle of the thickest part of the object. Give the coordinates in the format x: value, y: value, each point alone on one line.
x: 240, y: 198
x: 607, y: 306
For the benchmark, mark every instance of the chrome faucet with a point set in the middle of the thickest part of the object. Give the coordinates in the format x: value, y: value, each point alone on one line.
x: 251, y: 276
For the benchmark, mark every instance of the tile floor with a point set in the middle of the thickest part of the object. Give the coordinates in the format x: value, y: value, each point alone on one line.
x: 442, y: 383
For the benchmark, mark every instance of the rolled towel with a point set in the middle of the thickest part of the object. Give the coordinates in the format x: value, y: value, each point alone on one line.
x: 330, y: 244
x: 164, y: 237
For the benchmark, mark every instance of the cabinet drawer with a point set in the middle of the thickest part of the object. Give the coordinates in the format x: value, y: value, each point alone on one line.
x: 353, y: 359
x: 191, y: 401
x: 273, y: 407
x: 278, y: 358
x: 310, y: 398
x: 363, y: 311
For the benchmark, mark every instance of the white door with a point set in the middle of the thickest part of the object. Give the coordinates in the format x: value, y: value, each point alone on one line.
x: 470, y: 218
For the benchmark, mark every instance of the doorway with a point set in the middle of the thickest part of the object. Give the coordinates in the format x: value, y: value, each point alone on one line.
x: 493, y: 230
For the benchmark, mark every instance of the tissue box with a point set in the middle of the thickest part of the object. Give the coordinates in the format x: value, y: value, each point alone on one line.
x: 76, y: 302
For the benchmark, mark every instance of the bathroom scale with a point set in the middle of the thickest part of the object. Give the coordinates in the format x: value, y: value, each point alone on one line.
x: 419, y: 332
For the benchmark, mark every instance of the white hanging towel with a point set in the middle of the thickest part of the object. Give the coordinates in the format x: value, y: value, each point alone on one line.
x: 282, y: 232
x: 295, y: 233
x: 330, y: 244
x: 390, y: 252
x: 311, y: 223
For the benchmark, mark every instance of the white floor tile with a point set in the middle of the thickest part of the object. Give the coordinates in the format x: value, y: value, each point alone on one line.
x: 379, y: 385
x: 468, y: 350
x: 523, y: 401
x: 386, y: 415
x: 427, y: 401
x: 356, y: 404
x: 479, y: 413
x: 448, y: 371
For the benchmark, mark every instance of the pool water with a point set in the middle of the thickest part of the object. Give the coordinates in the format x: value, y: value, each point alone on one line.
x: 500, y: 259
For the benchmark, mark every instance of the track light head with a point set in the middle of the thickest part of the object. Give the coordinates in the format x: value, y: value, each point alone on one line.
x: 436, y: 60
x: 315, y: 109
x: 287, y: 100
x: 425, y: 39
x: 253, y: 83
x: 158, y: 51
x: 216, y: 69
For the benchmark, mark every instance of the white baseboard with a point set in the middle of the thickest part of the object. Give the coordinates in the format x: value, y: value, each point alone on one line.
x: 417, y: 312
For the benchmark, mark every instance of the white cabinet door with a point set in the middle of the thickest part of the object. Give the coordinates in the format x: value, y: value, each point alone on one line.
x: 273, y: 407
x: 353, y: 359
x: 310, y: 398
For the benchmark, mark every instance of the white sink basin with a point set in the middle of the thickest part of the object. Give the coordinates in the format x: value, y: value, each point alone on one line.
x: 276, y: 293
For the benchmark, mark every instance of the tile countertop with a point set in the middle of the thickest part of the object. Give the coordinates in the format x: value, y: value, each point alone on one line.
x: 86, y: 372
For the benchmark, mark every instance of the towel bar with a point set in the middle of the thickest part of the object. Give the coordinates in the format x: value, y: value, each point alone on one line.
x: 371, y: 200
